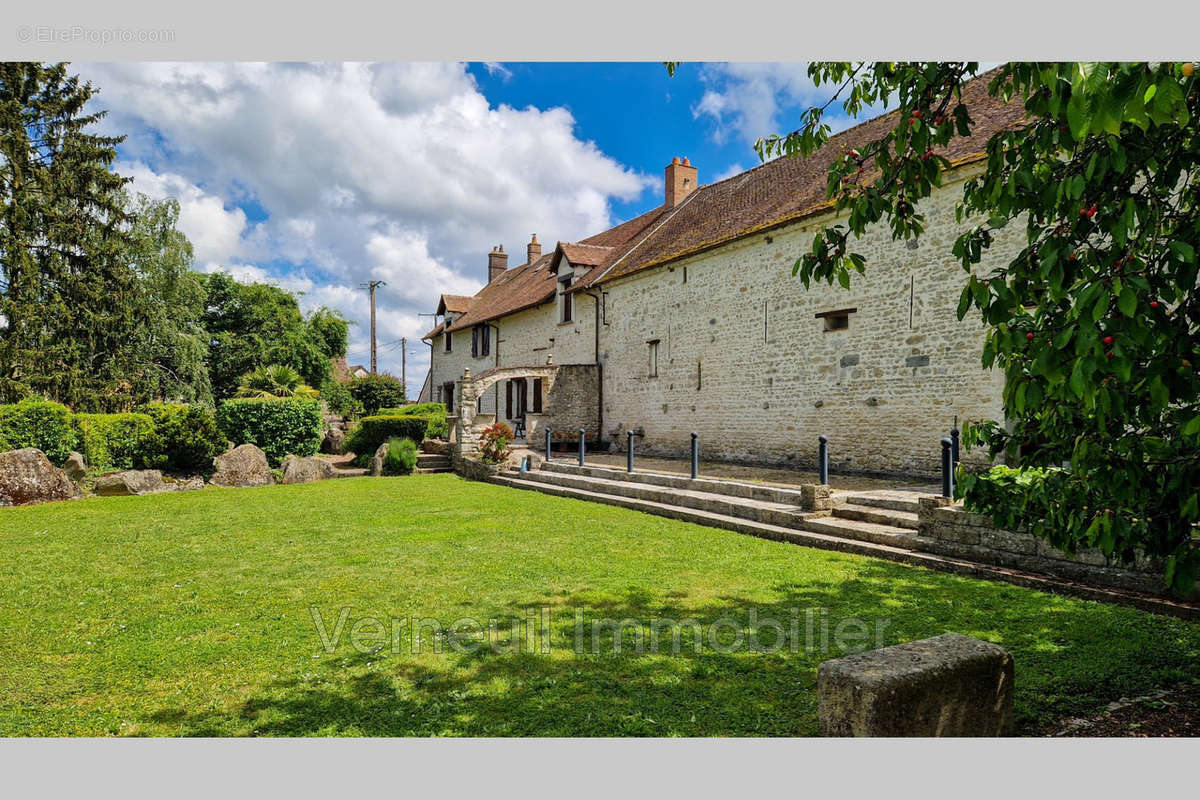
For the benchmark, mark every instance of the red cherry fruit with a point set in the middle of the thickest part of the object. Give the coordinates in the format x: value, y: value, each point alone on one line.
x: 1108, y: 340
x: 1154, y: 304
x: 917, y: 114
x: 1108, y: 354
x: 1029, y: 336
x: 1071, y: 257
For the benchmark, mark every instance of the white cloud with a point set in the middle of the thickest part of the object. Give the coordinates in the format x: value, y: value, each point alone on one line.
x: 749, y: 100
x: 215, y: 231
x: 399, y: 172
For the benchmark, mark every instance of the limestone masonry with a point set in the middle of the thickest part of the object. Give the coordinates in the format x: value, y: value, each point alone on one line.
x: 688, y: 318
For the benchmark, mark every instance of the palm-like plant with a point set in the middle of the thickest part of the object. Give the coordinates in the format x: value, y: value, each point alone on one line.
x: 275, y: 380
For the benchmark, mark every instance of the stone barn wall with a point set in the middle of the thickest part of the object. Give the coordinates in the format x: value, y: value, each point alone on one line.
x: 744, y: 361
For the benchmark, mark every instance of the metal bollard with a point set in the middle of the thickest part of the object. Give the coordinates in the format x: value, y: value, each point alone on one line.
x: 582, y: 439
x: 954, y: 444
x: 823, y: 459
x: 947, y: 470
x: 629, y: 451
x: 547, y: 444
x: 695, y: 454
x: 524, y: 464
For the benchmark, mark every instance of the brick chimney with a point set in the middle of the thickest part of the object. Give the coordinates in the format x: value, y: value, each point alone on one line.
x: 533, y: 250
x: 681, y: 180
x: 497, y: 263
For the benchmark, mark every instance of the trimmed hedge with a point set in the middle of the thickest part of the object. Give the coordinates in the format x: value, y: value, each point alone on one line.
x: 38, y: 423
x: 280, y: 426
x: 371, y: 432
x: 187, y: 437
x: 434, y: 413
x: 116, y: 441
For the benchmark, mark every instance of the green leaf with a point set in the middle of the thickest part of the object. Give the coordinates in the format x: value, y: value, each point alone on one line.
x: 1127, y: 302
x: 1183, y: 250
x: 1192, y: 427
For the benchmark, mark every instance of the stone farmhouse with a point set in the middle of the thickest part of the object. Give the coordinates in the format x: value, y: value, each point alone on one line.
x: 688, y: 318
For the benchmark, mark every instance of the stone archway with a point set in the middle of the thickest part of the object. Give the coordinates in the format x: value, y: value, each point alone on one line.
x: 468, y: 422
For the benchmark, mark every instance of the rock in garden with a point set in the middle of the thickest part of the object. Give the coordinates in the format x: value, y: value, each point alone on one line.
x: 27, y: 476
x: 131, y: 481
x: 377, y: 461
x: 305, y: 470
x: 949, y: 685
x: 75, y: 466
x: 335, y: 439
x: 244, y: 465
x: 190, y: 485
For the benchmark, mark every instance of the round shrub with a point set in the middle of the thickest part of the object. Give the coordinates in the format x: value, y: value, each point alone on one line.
x: 38, y: 423
x: 401, y: 458
x: 187, y: 437
x: 116, y: 441
x: 376, y: 392
x: 280, y: 426
x: 371, y: 432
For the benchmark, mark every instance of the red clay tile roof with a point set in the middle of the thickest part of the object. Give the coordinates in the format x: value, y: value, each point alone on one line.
x: 513, y: 290
x: 787, y: 189
x: 583, y: 255
x: 454, y: 303
x: 778, y: 192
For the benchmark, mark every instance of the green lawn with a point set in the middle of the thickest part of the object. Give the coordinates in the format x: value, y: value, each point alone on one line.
x: 189, y: 614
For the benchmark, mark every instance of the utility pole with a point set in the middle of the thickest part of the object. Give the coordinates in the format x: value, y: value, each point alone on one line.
x: 404, y: 365
x: 370, y: 287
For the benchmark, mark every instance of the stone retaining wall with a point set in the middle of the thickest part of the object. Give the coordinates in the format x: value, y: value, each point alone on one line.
x: 951, y: 531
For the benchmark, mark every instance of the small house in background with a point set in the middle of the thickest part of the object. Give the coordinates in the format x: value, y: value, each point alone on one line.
x: 343, y: 371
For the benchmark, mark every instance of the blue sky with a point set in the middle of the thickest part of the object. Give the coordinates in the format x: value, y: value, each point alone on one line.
x: 319, y: 177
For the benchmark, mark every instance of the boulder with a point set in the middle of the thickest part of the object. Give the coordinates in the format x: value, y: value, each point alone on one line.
x: 306, y: 470
x: 244, y: 465
x: 27, y: 476
x: 377, y: 461
x: 131, y: 481
x: 949, y: 685
x: 75, y: 467
x: 334, y: 441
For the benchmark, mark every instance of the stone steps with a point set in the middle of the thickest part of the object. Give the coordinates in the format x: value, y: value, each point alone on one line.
x: 710, y: 518
x: 750, y: 491
x: 432, y: 463
x: 891, y: 499
x: 850, y: 536
x: 774, y: 513
x: 861, y: 531
x: 879, y: 516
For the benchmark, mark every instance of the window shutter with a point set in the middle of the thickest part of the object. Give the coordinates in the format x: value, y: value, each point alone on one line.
x: 475, y: 342
x: 508, y: 400
x: 537, y: 395
x: 487, y: 340
x: 522, y: 397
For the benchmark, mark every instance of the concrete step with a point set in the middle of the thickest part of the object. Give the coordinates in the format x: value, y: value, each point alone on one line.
x: 432, y: 460
x: 881, y: 516
x: 893, y: 499
x: 431, y: 470
x: 770, y: 512
x: 730, y: 488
